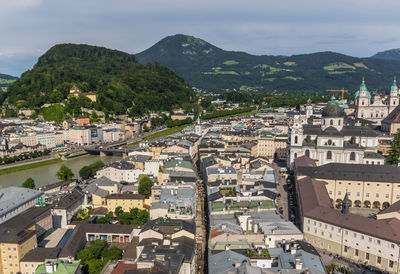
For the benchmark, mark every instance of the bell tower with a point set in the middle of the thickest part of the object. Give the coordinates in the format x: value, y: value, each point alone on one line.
x: 394, y: 96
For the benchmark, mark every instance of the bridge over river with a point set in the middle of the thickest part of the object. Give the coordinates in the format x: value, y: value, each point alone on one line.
x: 108, y: 151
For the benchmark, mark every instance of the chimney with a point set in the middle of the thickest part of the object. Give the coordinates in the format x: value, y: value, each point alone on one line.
x: 299, y: 265
x: 49, y: 267
x: 255, y: 228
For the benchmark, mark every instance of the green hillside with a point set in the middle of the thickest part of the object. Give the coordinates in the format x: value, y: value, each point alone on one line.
x: 119, y: 81
x: 206, y: 66
x: 392, y: 54
x: 6, y: 80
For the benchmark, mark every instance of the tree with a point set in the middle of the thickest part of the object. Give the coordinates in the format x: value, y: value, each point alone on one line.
x: 65, y: 173
x: 118, y: 211
x: 145, y: 184
x: 29, y: 183
x: 394, y: 153
x: 85, y: 172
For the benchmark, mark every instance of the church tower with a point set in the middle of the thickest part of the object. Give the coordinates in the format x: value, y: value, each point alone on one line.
x: 362, y: 100
x: 394, y: 96
x: 309, y: 108
x: 363, y: 95
x: 198, y: 129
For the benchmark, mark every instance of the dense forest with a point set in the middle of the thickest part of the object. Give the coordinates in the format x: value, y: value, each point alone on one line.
x: 120, y: 82
x: 206, y: 66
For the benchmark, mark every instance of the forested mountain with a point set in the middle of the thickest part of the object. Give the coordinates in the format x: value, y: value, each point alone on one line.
x: 119, y: 81
x: 392, y: 54
x: 206, y: 66
x: 6, y: 80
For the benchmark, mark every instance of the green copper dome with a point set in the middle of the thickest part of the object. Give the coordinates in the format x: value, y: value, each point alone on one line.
x: 394, y: 85
x: 363, y: 87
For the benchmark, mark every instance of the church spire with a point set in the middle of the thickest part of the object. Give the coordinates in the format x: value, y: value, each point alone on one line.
x: 346, y: 204
x: 394, y: 85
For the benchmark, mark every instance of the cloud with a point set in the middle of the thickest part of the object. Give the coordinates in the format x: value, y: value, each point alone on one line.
x: 358, y: 28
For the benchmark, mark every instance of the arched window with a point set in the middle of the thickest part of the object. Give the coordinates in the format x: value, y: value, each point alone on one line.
x: 329, y: 142
x: 331, y: 122
x: 376, y: 115
x: 372, y: 115
x: 295, y: 139
x: 295, y: 155
x: 307, y: 153
x: 329, y: 155
x: 362, y: 103
x: 352, y: 156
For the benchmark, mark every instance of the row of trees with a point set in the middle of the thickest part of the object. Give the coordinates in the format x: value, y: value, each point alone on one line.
x: 134, y: 217
x: 23, y: 156
x: 90, y: 170
x: 223, y: 113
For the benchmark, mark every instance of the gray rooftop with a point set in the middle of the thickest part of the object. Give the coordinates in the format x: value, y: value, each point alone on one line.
x: 13, y: 197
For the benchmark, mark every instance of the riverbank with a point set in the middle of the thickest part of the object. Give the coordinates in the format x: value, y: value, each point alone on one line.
x: 7, y: 170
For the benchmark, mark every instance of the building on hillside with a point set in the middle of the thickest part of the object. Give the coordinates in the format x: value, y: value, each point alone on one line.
x: 333, y: 142
x: 377, y: 108
x: 82, y: 120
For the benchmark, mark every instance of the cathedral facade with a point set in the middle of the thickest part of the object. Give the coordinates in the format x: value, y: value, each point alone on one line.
x: 332, y: 142
x: 375, y: 108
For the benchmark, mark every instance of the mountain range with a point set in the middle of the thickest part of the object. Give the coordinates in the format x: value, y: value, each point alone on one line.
x: 206, y: 66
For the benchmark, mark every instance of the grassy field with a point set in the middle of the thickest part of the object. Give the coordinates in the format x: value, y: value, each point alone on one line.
x: 29, y: 166
x: 360, y: 65
x: 230, y: 62
x: 340, y: 65
x: 289, y: 63
x: 165, y: 132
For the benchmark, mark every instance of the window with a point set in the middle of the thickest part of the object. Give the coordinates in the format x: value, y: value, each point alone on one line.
x: 339, y: 193
x: 387, y: 196
x: 391, y: 264
x: 331, y: 122
x: 295, y: 139
x: 295, y: 155
x: 330, y: 192
x: 358, y: 194
x: 367, y: 256
x: 339, y: 122
x: 377, y: 195
x: 352, y: 156
x: 329, y: 155
x: 367, y: 195
x: 346, y: 248
x: 379, y: 259
x: 346, y: 232
x: 329, y: 142
x: 307, y: 153
x: 356, y: 252
x: 378, y: 241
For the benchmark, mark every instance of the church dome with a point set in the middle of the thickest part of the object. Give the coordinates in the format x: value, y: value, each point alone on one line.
x: 363, y: 87
x: 332, y: 110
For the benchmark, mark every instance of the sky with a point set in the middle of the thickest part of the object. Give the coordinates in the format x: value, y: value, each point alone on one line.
x: 273, y: 27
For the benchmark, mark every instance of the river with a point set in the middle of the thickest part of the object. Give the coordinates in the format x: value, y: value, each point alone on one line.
x: 45, y: 175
